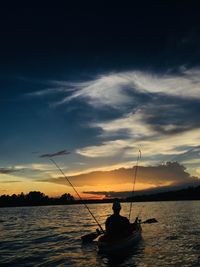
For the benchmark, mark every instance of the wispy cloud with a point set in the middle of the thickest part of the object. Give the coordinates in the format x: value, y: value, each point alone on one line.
x: 106, y: 149
x: 165, y: 103
x: 115, y: 88
x: 45, y: 92
x: 27, y: 171
x: 155, y: 111
x: 10, y: 182
x: 133, y: 123
x: 55, y: 154
x: 169, y: 146
x: 10, y: 170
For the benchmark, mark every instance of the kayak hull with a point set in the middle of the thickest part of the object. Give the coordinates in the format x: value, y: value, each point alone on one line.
x: 114, y: 245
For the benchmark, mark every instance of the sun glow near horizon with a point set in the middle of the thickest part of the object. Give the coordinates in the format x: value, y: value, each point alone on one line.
x: 98, y: 184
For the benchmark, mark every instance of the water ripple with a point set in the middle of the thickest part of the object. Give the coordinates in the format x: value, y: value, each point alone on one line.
x: 50, y: 236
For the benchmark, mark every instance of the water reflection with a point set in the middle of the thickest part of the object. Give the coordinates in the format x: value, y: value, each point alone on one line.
x: 126, y: 258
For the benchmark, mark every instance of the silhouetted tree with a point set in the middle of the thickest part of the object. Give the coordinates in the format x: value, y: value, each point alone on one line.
x: 33, y: 198
x: 66, y: 198
x: 36, y: 198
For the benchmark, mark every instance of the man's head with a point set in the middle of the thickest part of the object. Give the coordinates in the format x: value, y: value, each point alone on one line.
x: 116, y: 206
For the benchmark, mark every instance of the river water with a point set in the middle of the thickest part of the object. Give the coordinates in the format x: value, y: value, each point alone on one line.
x: 50, y: 236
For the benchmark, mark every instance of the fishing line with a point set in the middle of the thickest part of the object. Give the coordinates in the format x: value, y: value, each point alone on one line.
x: 82, y: 201
x: 135, y: 176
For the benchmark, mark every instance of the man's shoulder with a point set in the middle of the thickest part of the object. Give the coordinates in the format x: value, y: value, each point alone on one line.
x: 118, y: 218
x: 112, y: 216
x: 109, y: 217
x: 124, y: 219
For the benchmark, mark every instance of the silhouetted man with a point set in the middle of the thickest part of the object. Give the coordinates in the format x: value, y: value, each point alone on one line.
x: 117, y: 225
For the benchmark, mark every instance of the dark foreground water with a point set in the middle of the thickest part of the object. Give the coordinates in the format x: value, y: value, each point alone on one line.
x: 50, y: 236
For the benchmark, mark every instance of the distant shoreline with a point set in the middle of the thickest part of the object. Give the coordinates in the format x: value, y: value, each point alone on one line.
x: 102, y: 202
x: 98, y: 202
x: 39, y: 199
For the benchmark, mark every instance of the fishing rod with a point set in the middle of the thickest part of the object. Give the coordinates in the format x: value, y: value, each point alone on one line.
x: 82, y: 201
x: 135, y: 176
x: 140, y: 211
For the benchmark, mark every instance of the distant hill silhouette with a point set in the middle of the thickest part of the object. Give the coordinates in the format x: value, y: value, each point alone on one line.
x: 190, y: 193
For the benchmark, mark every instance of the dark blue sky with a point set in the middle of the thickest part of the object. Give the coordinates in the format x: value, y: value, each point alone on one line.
x: 99, y: 81
x: 57, y: 42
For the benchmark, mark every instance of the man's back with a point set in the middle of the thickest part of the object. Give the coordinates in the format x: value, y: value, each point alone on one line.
x: 117, y: 225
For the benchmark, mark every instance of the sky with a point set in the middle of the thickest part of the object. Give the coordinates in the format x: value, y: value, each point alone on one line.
x: 94, y: 84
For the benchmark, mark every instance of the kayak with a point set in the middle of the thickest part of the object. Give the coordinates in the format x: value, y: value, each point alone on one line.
x: 113, y: 245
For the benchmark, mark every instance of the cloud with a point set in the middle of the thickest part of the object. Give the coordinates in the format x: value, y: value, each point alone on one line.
x: 133, y: 123
x: 59, y: 153
x: 115, y: 88
x: 169, y: 174
x: 155, y: 111
x: 10, y: 182
x: 152, y: 146
x: 106, y: 149
x: 10, y: 170
x: 145, y: 102
x: 28, y: 171
x: 192, y: 153
x: 148, y: 102
x: 46, y: 92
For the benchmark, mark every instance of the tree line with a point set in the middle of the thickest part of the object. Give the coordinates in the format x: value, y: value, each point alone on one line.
x: 34, y: 198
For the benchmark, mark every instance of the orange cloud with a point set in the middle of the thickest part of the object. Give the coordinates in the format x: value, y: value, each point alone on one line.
x: 171, y: 173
